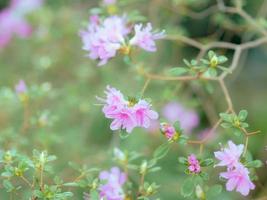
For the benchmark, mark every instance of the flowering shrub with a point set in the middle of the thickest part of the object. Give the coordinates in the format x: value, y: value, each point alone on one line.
x: 169, y: 127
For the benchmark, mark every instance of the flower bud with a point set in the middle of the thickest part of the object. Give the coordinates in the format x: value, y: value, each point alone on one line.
x: 200, y: 193
x: 169, y: 131
x: 143, y: 167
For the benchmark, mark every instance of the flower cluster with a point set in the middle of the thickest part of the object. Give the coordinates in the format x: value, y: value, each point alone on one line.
x: 237, y: 174
x: 111, y: 183
x: 126, y: 114
x: 13, y: 21
x: 193, y: 164
x: 104, y: 38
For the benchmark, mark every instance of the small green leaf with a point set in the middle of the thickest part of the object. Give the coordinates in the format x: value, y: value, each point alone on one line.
x: 124, y: 134
x: 177, y: 71
x: 212, y: 72
x: 213, y: 192
x: 254, y: 164
x: 161, y: 151
x: 226, y: 117
x: 183, y: 160
x: 183, y: 139
x: 206, y: 162
x: 226, y: 125
x: 211, y: 54
x: 222, y: 59
x: 244, y: 125
x: 237, y: 132
x: 8, y: 186
x: 243, y: 115
x: 186, y: 62
x: 204, y: 175
x: 187, y: 188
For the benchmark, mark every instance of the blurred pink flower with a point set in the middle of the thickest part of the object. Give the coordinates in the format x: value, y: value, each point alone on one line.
x: 13, y: 21
x: 126, y: 114
x: 174, y: 111
x: 194, y: 166
x: 229, y: 156
x: 238, y: 179
x: 21, y: 87
x: 112, y: 188
x: 103, y: 40
x: 109, y: 2
x: 145, y: 38
x: 23, y: 7
x: 168, y: 130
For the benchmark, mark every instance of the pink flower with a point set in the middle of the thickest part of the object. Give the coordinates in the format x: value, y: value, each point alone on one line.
x: 103, y: 39
x: 238, y: 179
x: 168, y: 130
x: 109, y: 2
x: 21, y: 87
x: 174, y: 111
x: 145, y: 38
x: 13, y: 22
x: 229, y: 156
x: 144, y: 114
x: 193, y: 164
x: 23, y: 7
x: 113, y: 180
x: 124, y: 119
x: 126, y: 114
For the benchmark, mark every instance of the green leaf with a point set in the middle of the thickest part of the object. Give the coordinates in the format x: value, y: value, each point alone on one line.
x: 187, y: 62
x: 222, y: 59
x: 242, y: 115
x: 237, y: 132
x: 213, y: 192
x: 204, y: 175
x: 161, y: 151
x: 254, y: 164
x: 183, y: 139
x: 212, y: 72
x: 211, y: 54
x: 187, y: 188
x: 244, y: 125
x: 226, y: 117
x: 177, y: 127
x: 177, y: 71
x: 8, y: 186
x: 226, y: 125
x: 225, y: 69
x: 183, y: 160
x: 71, y: 184
x: 206, y: 162
x: 124, y: 134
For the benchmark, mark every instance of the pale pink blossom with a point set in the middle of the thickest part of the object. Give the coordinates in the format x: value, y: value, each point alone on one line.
x: 113, y: 180
x: 238, y: 178
x: 21, y: 87
x: 193, y: 164
x: 126, y: 114
x: 230, y: 156
x: 145, y: 38
x: 13, y: 20
x: 109, y: 2
x: 103, y: 39
x: 174, y: 111
x: 143, y: 113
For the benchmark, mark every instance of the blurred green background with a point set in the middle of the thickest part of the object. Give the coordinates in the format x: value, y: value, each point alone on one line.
x: 65, y: 83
